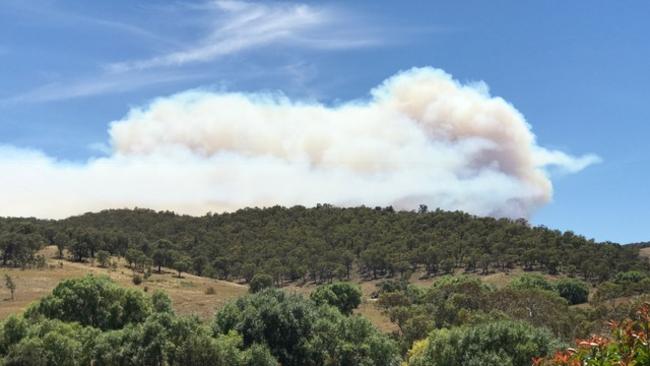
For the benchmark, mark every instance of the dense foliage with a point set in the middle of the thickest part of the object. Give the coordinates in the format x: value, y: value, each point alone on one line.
x: 629, y: 345
x: 624, y: 284
x: 344, y: 296
x: 113, y: 326
x: 317, y: 244
x: 300, y: 332
x: 503, y: 343
x: 455, y: 310
x: 464, y: 300
x: 93, y: 301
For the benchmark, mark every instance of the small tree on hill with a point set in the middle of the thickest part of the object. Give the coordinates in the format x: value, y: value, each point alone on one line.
x: 182, y: 264
x: 103, y: 258
x: 61, y: 240
x: 259, y: 282
x: 162, y: 255
x: 11, y: 285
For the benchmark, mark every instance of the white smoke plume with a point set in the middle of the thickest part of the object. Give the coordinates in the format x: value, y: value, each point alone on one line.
x: 421, y: 137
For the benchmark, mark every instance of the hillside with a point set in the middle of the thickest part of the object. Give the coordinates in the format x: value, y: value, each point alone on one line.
x: 188, y: 294
x: 416, y: 274
x: 319, y: 244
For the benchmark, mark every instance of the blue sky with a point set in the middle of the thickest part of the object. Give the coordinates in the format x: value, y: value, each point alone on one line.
x: 578, y: 71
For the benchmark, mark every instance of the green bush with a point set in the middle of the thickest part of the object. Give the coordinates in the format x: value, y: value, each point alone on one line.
x: 103, y: 257
x: 93, y: 301
x: 531, y: 281
x: 160, y: 339
x: 574, y: 291
x: 344, y: 296
x: 161, y: 303
x: 539, y: 308
x: 622, y: 278
x: 299, y: 332
x: 260, y: 282
x: 625, y: 284
x: 504, y: 343
x: 136, y: 279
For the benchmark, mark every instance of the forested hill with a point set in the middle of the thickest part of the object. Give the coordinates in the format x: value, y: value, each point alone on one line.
x: 320, y: 243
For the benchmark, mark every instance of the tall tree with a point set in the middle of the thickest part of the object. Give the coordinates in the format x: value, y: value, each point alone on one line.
x: 11, y: 285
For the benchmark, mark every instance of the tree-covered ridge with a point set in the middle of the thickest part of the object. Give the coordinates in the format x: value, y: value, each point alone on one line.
x: 319, y: 243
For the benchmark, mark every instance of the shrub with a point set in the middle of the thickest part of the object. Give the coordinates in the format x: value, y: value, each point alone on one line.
x: 103, y: 257
x: 629, y: 277
x: 628, y: 345
x: 40, y: 262
x: 540, y: 308
x: 161, y: 303
x: 299, y: 332
x: 627, y: 284
x: 10, y: 284
x: 344, y: 296
x: 531, y: 281
x: 51, y: 342
x: 93, y: 301
x: 574, y: 291
x: 260, y: 282
x: 491, y: 344
x: 392, y: 285
x: 137, y: 279
x: 452, y: 296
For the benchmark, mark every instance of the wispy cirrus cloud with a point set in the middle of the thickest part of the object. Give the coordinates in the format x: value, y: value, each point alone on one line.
x: 220, y: 28
x: 100, y: 85
x: 239, y: 26
x: 50, y: 14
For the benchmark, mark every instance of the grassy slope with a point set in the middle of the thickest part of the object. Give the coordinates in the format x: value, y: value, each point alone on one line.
x: 644, y: 252
x: 187, y: 293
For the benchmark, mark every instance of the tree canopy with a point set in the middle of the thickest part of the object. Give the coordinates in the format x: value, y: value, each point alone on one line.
x: 319, y: 244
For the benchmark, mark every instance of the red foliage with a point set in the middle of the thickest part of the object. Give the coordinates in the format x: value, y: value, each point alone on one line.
x: 628, y: 346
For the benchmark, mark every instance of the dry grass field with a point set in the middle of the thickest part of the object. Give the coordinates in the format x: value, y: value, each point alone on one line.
x: 188, y: 293
x: 644, y: 252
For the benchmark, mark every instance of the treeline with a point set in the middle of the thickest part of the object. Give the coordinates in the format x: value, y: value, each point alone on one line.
x: 319, y: 244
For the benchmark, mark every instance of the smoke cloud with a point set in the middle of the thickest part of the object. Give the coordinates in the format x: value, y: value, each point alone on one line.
x: 421, y: 137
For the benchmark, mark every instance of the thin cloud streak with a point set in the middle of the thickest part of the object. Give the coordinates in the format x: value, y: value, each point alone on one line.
x: 233, y: 27
x: 240, y: 26
x: 46, y: 13
x: 105, y: 84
